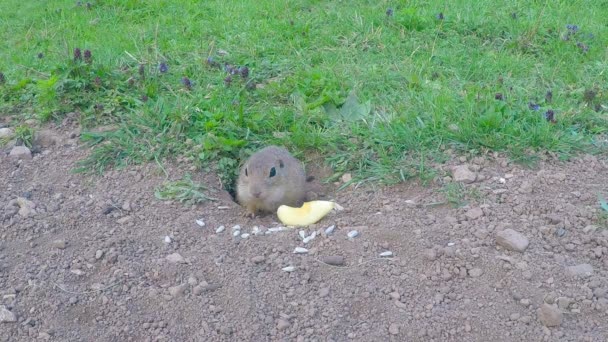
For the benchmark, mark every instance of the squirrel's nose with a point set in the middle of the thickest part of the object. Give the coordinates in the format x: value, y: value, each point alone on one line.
x: 256, y: 194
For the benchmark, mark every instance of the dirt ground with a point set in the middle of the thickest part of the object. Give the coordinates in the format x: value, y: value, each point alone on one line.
x: 99, y: 258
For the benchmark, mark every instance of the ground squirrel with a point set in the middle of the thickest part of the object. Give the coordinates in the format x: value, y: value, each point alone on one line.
x: 270, y: 178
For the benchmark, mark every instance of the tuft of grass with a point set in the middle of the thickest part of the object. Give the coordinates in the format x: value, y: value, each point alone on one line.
x: 24, y: 135
x: 381, y: 94
x: 458, y: 195
x: 184, y: 190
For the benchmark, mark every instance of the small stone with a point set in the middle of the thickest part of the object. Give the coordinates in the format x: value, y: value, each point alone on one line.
x: 198, y: 289
x: 178, y: 290
x: 27, y: 208
x: 98, y: 254
x: 245, y: 235
x: 167, y: 239
x: 200, y: 222
x: 300, y: 250
x: 549, y: 315
x: 283, y: 324
x: 347, y: 177
x: 288, y: 269
x: 393, y: 329
x: 258, y: 259
x: 394, y: 295
x: 463, y: 174
x: 73, y: 300
x: 563, y: 303
x: 192, y: 281
x: 352, y: 234
x: 526, y: 319
x: 127, y: 206
x: 335, y: 260
x: 44, y: 336
x: 176, y: 258
x: 310, y: 237
x: 329, y: 230
x: 59, y: 244
x: 6, y: 133
x: 387, y: 254
x: 589, y: 229
x: 581, y: 270
x: 220, y: 229
x: 600, y: 292
x: 21, y: 153
x: 430, y: 254
x: 323, y: 292
x: 475, y: 272
x: 514, y: 316
x: 512, y: 240
x: 474, y: 213
x: 7, y: 316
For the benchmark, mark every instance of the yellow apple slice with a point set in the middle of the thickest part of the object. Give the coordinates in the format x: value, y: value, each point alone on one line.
x: 309, y: 213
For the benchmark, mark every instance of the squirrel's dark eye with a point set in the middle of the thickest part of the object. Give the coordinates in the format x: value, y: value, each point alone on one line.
x: 246, y: 172
x: 273, y: 172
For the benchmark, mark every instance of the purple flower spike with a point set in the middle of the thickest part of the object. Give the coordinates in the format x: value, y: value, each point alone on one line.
x: 88, y: 58
x: 533, y: 106
x: 77, y: 55
x: 550, y: 116
x: 244, y: 72
x: 187, y: 83
x: 228, y: 80
x: 163, y: 68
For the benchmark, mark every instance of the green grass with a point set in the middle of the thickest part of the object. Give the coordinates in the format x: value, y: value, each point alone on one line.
x: 183, y: 190
x: 419, y: 84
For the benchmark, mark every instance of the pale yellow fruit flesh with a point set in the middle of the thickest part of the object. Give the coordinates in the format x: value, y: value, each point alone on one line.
x: 309, y: 213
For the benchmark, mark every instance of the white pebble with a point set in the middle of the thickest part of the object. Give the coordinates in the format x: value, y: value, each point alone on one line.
x: 244, y: 235
x: 236, y: 233
x: 275, y: 229
x: 386, y: 254
x: 302, y: 234
x: 256, y: 230
x: 236, y: 227
x: 338, y: 207
x: 450, y: 244
x: 289, y: 269
x: 220, y: 229
x: 300, y: 250
x: 309, y: 238
x: 330, y: 229
x: 200, y: 222
x: 167, y: 239
x: 352, y: 234
x: 502, y: 180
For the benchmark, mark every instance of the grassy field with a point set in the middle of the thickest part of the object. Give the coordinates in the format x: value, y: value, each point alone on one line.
x: 378, y: 88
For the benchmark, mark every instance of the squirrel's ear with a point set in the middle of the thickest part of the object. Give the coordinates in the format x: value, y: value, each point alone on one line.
x: 281, y: 165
